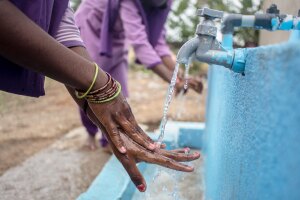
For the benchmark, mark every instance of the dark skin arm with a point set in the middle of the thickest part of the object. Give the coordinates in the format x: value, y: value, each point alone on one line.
x: 28, y: 45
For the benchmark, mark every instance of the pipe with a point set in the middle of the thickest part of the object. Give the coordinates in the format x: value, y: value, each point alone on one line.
x: 187, y: 50
x: 224, y: 58
x: 227, y: 41
x: 266, y: 21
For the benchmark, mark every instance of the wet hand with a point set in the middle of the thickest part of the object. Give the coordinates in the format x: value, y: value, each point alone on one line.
x: 196, y: 84
x: 136, y: 153
x: 117, y: 119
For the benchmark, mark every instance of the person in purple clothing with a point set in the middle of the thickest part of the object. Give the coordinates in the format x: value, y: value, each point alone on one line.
x: 39, y: 38
x: 108, y: 27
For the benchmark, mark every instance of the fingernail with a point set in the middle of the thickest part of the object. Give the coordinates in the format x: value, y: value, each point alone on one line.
x: 152, y: 146
x: 141, y: 188
x: 158, y: 145
x: 191, y: 168
x: 123, y: 150
x: 197, y: 154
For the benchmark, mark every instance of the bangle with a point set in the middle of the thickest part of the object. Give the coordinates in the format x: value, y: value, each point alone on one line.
x: 91, y: 86
x: 110, y: 98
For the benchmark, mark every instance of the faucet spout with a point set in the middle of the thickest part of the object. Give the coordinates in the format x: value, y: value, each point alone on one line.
x: 206, y: 48
x: 187, y: 50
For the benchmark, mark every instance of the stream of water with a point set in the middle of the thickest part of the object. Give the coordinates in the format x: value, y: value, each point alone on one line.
x: 169, y: 97
x: 167, y: 104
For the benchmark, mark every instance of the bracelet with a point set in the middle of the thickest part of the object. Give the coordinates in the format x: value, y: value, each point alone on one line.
x: 108, y: 98
x: 91, y: 86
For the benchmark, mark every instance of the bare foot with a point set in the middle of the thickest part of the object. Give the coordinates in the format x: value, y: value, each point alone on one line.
x: 91, y: 143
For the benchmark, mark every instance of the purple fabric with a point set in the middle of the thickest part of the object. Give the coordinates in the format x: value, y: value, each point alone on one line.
x: 91, y: 128
x: 154, y: 3
x: 109, y: 20
x: 16, y: 79
x: 153, y: 18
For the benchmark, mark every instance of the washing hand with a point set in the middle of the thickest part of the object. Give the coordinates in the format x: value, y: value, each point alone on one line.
x: 117, y: 119
x: 124, y: 132
x: 194, y: 83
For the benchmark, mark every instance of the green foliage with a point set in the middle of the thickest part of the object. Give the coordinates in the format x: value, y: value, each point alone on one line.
x: 183, y: 19
x: 75, y: 4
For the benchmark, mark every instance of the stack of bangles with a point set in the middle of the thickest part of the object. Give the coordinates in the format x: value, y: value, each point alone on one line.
x: 107, y: 93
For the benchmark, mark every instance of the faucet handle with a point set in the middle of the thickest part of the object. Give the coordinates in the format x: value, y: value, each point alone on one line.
x: 273, y: 10
x: 210, y: 13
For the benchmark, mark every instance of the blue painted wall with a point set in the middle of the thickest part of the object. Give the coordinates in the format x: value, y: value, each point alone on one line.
x: 252, y: 140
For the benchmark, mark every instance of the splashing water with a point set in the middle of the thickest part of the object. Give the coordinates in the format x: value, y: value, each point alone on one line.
x: 167, y: 104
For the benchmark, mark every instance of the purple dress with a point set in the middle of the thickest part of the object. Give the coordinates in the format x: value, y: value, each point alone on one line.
x: 17, y: 79
x: 134, y: 25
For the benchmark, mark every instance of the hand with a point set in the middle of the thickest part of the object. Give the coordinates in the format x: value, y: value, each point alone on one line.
x: 196, y: 84
x: 116, y: 117
x: 136, y: 153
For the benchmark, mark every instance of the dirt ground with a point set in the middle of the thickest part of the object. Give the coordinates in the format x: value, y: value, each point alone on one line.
x: 29, y: 125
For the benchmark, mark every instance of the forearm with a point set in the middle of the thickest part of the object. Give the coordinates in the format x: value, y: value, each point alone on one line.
x: 26, y: 44
x: 84, y: 54
x: 169, y: 62
x: 163, y: 72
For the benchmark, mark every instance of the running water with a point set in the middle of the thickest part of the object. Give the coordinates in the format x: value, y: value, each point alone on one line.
x: 186, y: 76
x: 167, y: 104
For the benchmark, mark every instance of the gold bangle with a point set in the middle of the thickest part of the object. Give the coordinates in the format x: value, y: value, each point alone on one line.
x: 92, y: 85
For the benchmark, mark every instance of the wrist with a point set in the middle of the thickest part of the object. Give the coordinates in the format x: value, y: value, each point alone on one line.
x: 101, y: 80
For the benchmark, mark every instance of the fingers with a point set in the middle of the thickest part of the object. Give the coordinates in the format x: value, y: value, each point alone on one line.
x: 159, y: 159
x: 134, y: 173
x: 196, y: 85
x: 129, y: 164
x: 180, y: 157
x: 134, y: 133
x: 114, y: 135
x: 184, y: 150
x: 163, y: 146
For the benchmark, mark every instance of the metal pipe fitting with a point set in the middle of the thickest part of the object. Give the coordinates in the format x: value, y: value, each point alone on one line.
x: 187, y: 50
x: 205, y: 46
x: 272, y: 20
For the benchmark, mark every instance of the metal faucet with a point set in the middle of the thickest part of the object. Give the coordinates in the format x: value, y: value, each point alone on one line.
x: 206, y: 48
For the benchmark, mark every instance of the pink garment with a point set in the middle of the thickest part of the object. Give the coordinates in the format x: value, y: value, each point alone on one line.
x: 128, y: 30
